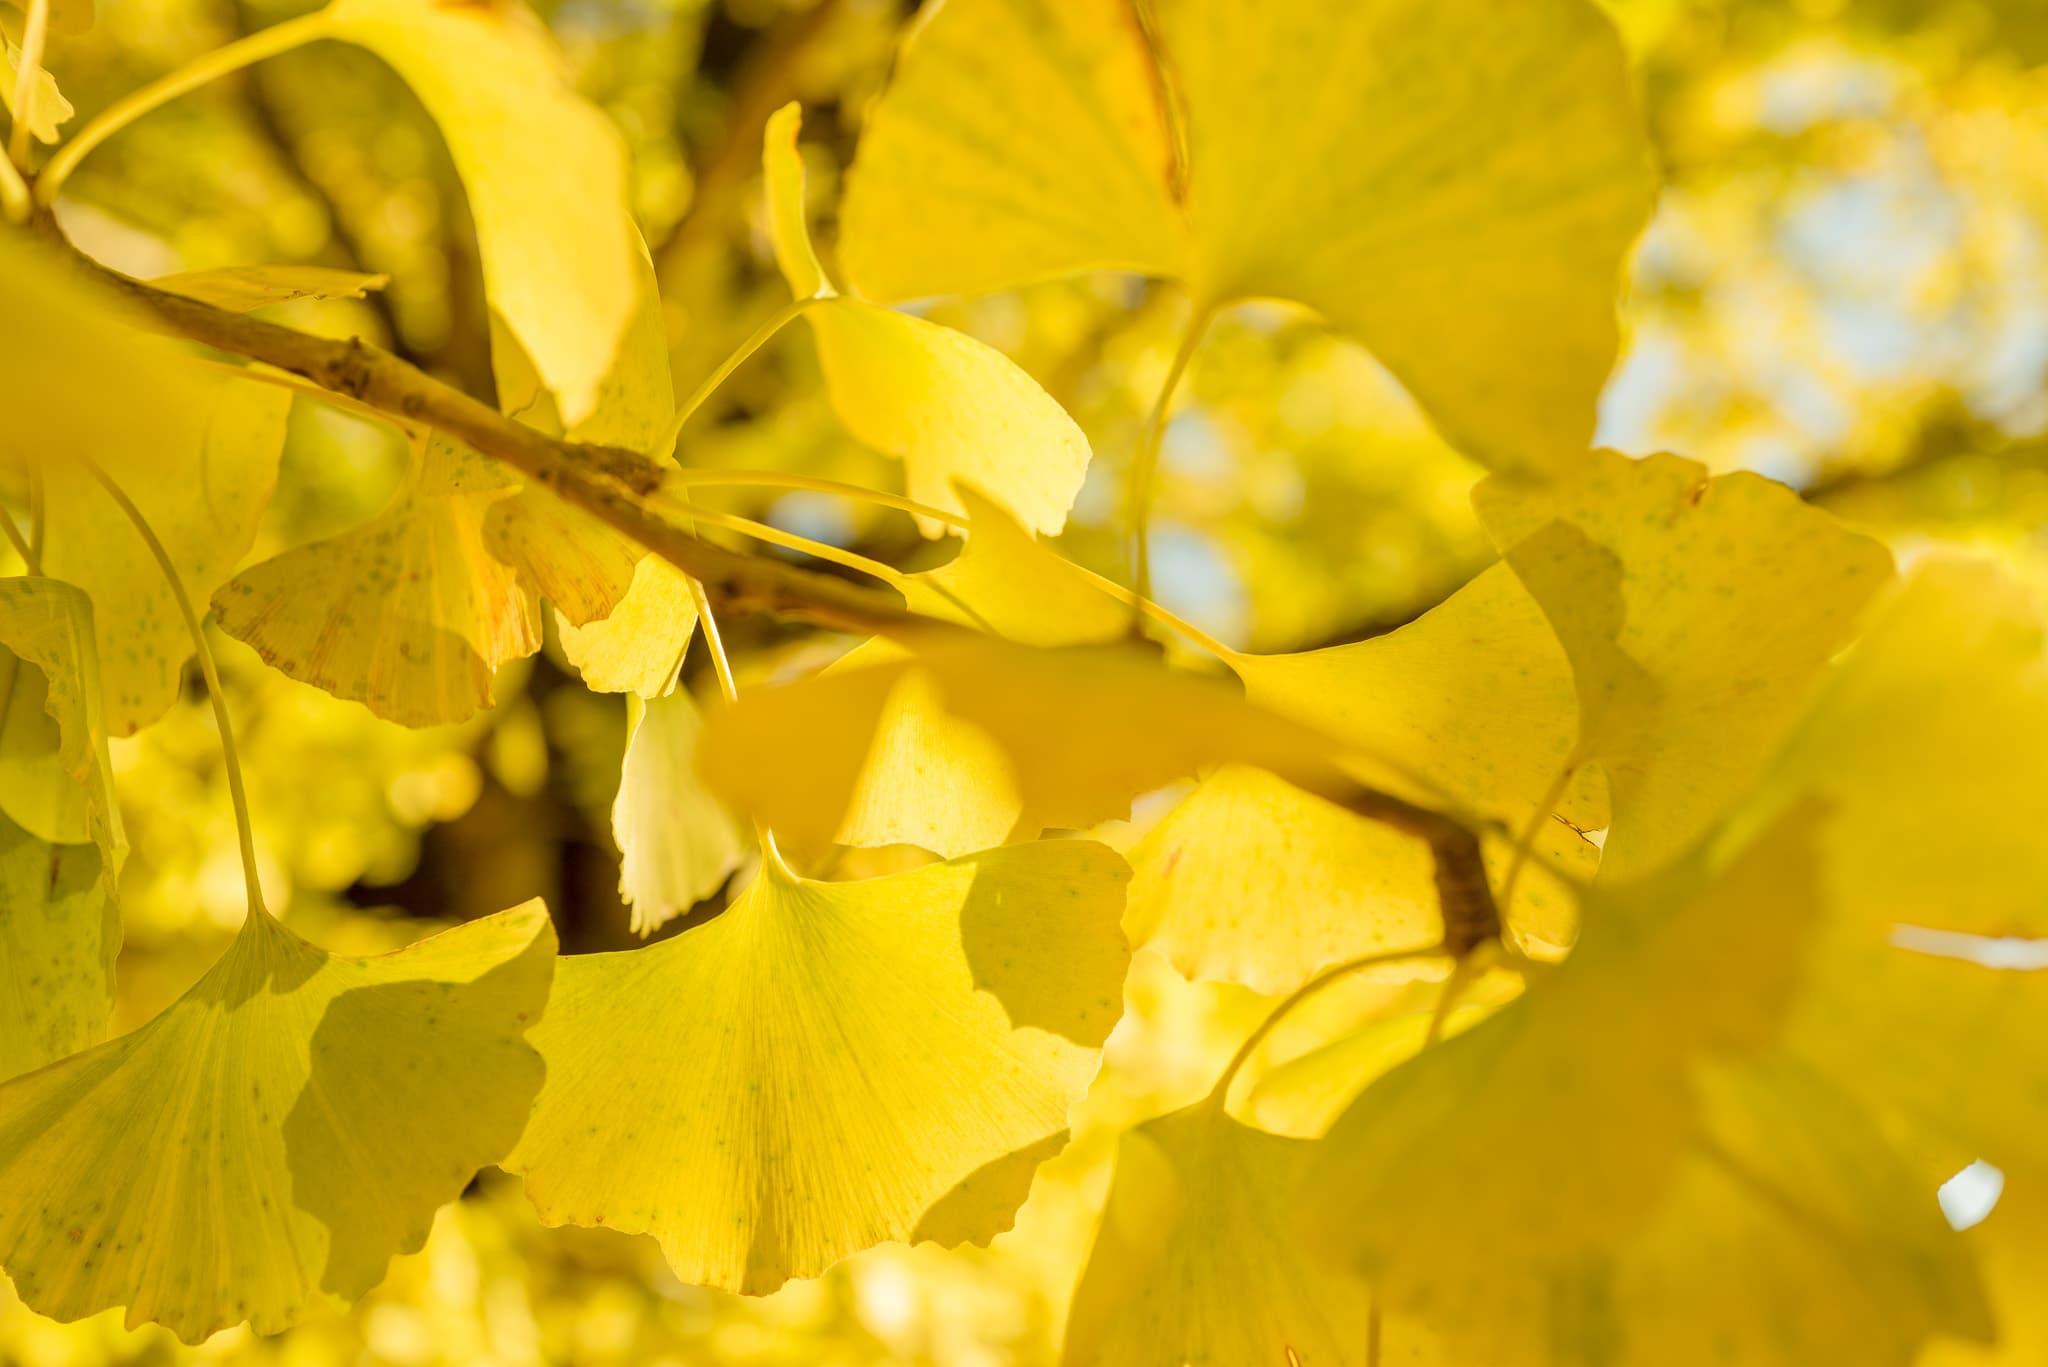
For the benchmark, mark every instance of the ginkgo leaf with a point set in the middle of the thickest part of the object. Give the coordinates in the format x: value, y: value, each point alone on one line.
x: 638, y: 646
x: 59, y: 932
x: 1926, y: 744
x: 1472, y: 701
x: 1544, y: 1134
x: 48, y: 109
x: 1197, y: 1261
x: 195, y: 450
x: 1691, y: 661
x: 244, y: 289
x: 1084, y: 729
x: 950, y: 407
x: 929, y: 779
x: 544, y: 171
x: 55, y: 780
x: 278, y: 1133
x: 1251, y: 880
x: 677, y: 842
x: 1443, y: 180
x: 816, y: 1069
x: 408, y: 613
x: 1007, y: 581
x: 1470, y: 706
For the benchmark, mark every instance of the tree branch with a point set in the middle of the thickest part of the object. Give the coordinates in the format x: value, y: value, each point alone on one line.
x: 613, y: 485
x: 610, y: 483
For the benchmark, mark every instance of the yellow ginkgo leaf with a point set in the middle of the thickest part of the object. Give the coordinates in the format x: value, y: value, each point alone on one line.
x: 1544, y: 1134
x: 1251, y: 880
x: 819, y: 1068
x: 544, y: 171
x: 950, y: 407
x: 48, y: 110
x: 55, y: 780
x: 1197, y: 1261
x: 278, y: 1133
x: 1926, y: 744
x: 59, y: 932
x: 1473, y: 701
x: 1084, y: 729
x: 196, y: 450
x: 1443, y: 180
x: 1691, y: 661
x: 677, y: 842
x: 244, y: 289
x: 1007, y: 581
x: 929, y: 779
x: 638, y: 646
x: 407, y: 614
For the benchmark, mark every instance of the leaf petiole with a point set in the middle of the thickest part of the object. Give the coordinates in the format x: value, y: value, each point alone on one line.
x: 201, y: 70
x: 760, y: 337
x: 1145, y: 462
x: 245, y: 831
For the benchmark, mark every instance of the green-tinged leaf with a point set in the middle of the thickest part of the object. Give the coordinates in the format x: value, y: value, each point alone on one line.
x: 677, y: 842
x: 244, y: 289
x: 278, y: 1133
x: 1196, y: 1260
x: 1692, y: 661
x: 1443, y: 180
x: 59, y: 933
x: 952, y: 408
x: 817, y: 1069
x: 55, y: 780
x: 408, y: 614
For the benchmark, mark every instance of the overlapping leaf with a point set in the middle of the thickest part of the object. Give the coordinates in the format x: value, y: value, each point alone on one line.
x: 826, y: 1066
x: 197, y: 452
x: 1443, y: 180
x: 1691, y: 660
x: 278, y: 1133
x: 951, y: 407
x: 54, y: 775
x: 59, y: 933
x: 244, y: 289
x: 677, y: 842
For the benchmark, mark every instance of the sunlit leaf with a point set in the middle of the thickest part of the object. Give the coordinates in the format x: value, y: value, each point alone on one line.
x: 951, y: 407
x: 1197, y: 1261
x: 59, y: 933
x: 1445, y: 180
x: 677, y: 842
x: 278, y: 1133
x: 48, y: 109
x: 544, y: 171
x: 196, y: 450
x: 408, y: 614
x: 54, y: 774
x: 1692, y: 662
x: 818, y: 1068
x: 244, y: 289
x: 1546, y: 1133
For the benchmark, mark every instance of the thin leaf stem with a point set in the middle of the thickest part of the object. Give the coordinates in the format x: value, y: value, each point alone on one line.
x: 38, y: 515
x: 1314, y: 985
x: 1144, y: 471
x: 34, y: 34
x: 779, y: 479
x: 775, y: 536
x: 207, y: 67
x: 761, y: 336
x: 245, y: 831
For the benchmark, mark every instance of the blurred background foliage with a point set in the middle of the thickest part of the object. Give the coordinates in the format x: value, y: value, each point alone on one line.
x: 1846, y: 287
